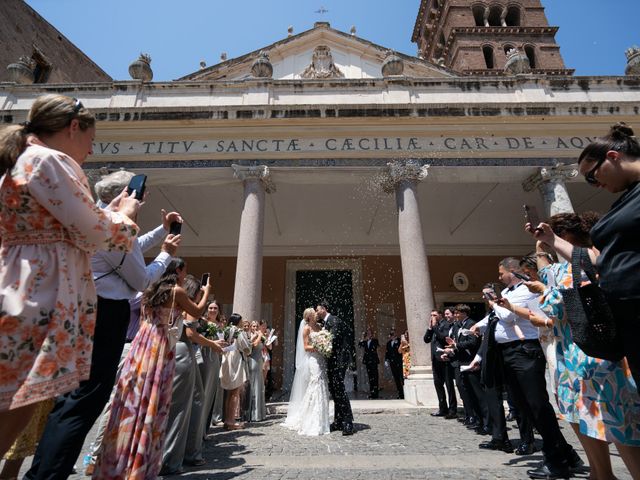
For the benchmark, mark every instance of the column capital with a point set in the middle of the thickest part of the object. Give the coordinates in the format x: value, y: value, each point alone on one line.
x: 559, y: 173
x: 402, y: 170
x: 255, y: 172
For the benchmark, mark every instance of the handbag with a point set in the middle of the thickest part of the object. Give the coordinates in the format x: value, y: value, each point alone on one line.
x: 593, y: 326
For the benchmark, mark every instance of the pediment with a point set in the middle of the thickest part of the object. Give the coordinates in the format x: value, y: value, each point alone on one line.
x: 319, y: 53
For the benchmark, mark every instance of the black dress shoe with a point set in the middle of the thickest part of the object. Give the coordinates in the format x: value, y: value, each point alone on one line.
x: 469, y: 421
x: 462, y: 419
x: 347, y: 429
x: 438, y: 414
x: 450, y: 416
x: 502, y: 445
x: 548, y: 472
x: 482, y: 430
x: 525, y: 449
x: 334, y: 427
x: 576, y: 464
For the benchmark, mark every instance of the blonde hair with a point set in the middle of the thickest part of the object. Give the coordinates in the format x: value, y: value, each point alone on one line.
x: 49, y: 114
x: 307, y: 313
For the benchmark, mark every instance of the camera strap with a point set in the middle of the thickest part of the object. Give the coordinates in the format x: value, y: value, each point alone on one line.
x: 115, y: 269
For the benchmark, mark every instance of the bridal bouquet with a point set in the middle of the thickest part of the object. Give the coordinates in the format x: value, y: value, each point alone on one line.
x: 322, y: 342
x: 213, y: 332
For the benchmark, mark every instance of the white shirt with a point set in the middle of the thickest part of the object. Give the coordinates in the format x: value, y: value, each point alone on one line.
x: 505, y: 329
x: 133, y: 276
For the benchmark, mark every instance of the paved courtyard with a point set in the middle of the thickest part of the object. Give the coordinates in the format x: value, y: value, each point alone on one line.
x: 392, y: 441
x: 385, y: 446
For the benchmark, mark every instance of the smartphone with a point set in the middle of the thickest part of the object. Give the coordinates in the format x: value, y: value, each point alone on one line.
x: 175, y: 228
x: 137, y: 183
x: 490, y: 296
x: 522, y: 276
x: 531, y: 214
x: 205, y: 279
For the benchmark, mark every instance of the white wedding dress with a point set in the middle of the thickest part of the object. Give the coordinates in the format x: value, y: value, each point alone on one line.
x: 308, y: 411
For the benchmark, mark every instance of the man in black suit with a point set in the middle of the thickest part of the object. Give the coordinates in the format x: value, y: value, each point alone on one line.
x: 370, y: 360
x: 442, y: 371
x: 394, y: 359
x: 337, y: 365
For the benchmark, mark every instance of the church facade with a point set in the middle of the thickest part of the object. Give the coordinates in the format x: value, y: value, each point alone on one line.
x: 325, y: 166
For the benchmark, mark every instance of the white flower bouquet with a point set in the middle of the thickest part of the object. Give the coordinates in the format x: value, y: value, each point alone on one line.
x: 322, y: 342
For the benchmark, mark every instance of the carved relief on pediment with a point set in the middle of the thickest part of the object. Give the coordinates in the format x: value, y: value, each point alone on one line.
x: 322, y: 65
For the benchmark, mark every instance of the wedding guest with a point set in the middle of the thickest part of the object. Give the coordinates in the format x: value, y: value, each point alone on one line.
x: 134, y: 439
x: 118, y: 278
x: 371, y: 360
x: 48, y: 222
x: 393, y: 358
x: 443, y: 374
x: 210, y: 369
x: 266, y: 358
x: 258, y: 406
x: 245, y: 390
x: 184, y: 437
x: 597, y: 397
x: 405, y: 350
x: 232, y: 372
x: 613, y: 163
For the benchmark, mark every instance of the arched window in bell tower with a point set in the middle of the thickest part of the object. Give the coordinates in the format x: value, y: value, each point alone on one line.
x: 478, y: 14
x: 487, y: 51
x: 494, y: 16
x: 530, y: 52
x: 513, y: 17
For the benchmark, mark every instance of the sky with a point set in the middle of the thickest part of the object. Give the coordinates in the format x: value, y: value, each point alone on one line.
x: 178, y: 34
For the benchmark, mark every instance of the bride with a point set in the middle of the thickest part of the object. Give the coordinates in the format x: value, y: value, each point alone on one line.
x: 308, y: 411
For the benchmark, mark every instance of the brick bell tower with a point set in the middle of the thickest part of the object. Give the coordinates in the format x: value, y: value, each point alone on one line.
x: 488, y: 37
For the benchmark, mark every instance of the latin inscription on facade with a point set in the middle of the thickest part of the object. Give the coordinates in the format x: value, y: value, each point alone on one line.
x: 337, y: 146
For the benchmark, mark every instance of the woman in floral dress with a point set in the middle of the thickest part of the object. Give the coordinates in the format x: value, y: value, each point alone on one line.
x: 49, y: 227
x: 134, y: 438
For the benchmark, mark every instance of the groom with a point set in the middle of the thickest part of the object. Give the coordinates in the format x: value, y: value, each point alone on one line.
x: 336, y: 366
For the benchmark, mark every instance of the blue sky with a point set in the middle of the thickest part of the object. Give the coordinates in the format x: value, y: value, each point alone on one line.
x: 179, y: 34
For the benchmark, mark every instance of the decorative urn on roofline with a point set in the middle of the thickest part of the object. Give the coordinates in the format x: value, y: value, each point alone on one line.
x: 633, y: 61
x: 262, y: 67
x: 22, y: 71
x: 392, y: 65
x: 141, y: 68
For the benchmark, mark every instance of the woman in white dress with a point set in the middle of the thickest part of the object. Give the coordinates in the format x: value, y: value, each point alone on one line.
x: 308, y: 411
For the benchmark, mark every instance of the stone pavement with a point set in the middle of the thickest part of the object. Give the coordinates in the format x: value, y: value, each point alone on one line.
x: 393, y: 440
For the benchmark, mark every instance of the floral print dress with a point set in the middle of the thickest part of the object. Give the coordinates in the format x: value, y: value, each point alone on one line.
x: 598, y: 395
x: 134, y: 438
x: 49, y: 228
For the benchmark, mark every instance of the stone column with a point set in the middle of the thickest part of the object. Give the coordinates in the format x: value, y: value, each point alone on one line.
x: 402, y: 178
x: 248, y: 287
x: 551, y: 184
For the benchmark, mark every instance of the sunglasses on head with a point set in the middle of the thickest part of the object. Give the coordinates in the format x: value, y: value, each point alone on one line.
x: 77, y: 106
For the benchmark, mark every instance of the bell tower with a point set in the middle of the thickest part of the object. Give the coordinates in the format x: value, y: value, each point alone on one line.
x: 488, y: 37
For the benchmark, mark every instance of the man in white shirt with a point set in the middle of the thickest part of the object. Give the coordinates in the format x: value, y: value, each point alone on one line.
x: 118, y: 278
x: 524, y: 369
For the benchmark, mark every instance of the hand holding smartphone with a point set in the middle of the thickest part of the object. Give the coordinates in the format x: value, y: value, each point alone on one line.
x: 175, y: 228
x: 531, y: 215
x: 137, y: 184
x: 205, y: 279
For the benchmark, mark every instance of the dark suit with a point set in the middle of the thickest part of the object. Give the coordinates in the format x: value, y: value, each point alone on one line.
x: 466, y: 348
x: 337, y: 365
x: 394, y: 357
x: 371, y: 362
x: 442, y: 371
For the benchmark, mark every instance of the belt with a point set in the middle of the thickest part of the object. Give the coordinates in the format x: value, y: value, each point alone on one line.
x: 36, y: 237
x: 515, y: 343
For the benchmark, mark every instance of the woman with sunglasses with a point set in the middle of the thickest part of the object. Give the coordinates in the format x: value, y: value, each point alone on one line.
x: 613, y: 163
x: 49, y: 228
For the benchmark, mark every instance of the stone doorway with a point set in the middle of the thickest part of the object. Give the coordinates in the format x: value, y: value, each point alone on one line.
x: 339, y: 281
